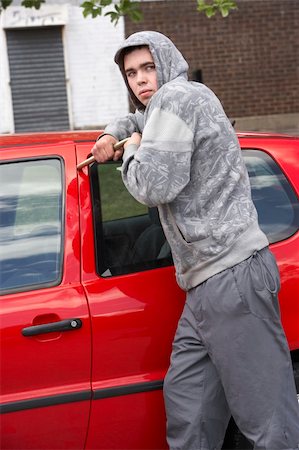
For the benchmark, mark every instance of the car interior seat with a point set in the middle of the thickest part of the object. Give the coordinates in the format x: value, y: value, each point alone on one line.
x: 151, y: 244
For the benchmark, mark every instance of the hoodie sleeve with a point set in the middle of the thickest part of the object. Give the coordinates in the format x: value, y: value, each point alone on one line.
x: 159, y: 169
x: 125, y: 126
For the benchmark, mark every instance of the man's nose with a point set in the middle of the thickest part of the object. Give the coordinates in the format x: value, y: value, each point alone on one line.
x: 140, y: 77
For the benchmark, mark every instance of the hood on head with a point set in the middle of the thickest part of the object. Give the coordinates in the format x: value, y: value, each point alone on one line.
x: 168, y: 60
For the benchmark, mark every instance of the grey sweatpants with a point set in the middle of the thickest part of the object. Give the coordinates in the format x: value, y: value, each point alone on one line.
x: 230, y: 357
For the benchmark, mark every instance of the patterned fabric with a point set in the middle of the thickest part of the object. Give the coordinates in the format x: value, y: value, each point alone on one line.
x: 189, y: 164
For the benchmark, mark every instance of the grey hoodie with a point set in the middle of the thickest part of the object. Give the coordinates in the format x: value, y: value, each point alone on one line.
x: 189, y: 165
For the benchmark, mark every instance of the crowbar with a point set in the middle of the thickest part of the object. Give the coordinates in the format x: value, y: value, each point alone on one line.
x: 91, y: 159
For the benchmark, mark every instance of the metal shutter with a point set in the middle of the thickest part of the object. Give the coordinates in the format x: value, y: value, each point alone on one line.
x: 37, y: 76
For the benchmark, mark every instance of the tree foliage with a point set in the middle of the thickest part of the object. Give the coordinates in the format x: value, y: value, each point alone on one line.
x: 130, y: 8
x: 211, y: 8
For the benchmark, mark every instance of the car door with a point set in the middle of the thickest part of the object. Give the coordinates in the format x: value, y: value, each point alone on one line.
x: 45, y: 325
x: 134, y: 303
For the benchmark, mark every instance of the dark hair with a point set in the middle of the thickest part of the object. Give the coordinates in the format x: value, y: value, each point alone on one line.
x: 125, y: 51
x: 131, y: 49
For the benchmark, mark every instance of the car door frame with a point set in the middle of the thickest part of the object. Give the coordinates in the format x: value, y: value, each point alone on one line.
x: 45, y: 402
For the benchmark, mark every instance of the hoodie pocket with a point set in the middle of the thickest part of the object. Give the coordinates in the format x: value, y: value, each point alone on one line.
x: 202, y: 246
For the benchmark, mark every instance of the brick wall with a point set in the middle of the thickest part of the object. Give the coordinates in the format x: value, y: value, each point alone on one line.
x: 250, y: 59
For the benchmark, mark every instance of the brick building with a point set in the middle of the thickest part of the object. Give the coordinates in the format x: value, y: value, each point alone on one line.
x: 250, y: 59
x: 57, y: 69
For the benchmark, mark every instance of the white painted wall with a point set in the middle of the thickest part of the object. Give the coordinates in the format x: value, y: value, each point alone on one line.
x: 6, y: 113
x: 97, y: 89
x: 97, y: 93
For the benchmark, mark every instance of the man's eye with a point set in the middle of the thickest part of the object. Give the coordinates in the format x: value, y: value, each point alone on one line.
x: 130, y: 74
x: 150, y: 67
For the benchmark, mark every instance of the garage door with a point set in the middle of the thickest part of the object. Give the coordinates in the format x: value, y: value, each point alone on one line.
x: 37, y: 75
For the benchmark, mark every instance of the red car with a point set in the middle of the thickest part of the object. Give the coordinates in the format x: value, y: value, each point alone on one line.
x: 89, y: 300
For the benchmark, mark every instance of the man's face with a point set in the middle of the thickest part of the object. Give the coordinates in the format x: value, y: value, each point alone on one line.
x: 141, y: 74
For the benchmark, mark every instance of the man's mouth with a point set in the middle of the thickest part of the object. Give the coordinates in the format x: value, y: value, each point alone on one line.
x: 145, y: 93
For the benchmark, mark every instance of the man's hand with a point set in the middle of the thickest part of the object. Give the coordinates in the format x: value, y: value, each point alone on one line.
x: 134, y: 139
x: 103, y: 149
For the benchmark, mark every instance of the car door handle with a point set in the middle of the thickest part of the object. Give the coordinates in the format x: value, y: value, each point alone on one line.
x: 62, y: 325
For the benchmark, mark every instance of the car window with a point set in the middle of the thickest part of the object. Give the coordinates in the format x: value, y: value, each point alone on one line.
x: 273, y: 196
x: 128, y: 235
x: 31, y: 224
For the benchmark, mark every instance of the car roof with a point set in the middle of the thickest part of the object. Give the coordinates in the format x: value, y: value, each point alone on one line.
x: 23, y: 139
x: 258, y: 135
x: 49, y: 137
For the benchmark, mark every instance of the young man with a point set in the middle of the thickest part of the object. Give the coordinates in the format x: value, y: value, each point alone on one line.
x: 230, y: 354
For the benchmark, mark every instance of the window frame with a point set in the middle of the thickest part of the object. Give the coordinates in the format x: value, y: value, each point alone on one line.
x: 99, y: 241
x: 58, y: 280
